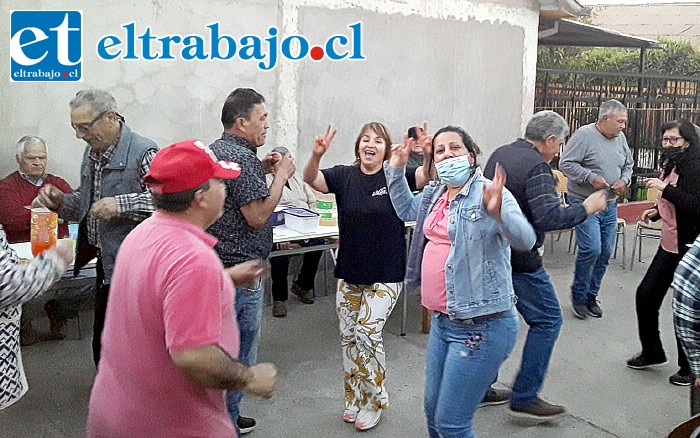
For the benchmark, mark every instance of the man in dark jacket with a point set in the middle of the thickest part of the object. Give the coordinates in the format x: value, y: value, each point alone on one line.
x: 112, y: 198
x: 529, y: 178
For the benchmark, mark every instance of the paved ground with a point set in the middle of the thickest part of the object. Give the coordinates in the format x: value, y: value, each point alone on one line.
x: 587, y: 374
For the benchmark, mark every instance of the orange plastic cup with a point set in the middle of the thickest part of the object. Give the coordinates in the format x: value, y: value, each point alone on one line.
x: 44, y: 230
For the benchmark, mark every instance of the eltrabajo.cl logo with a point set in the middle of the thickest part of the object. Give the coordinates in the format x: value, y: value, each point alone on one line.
x: 46, y: 46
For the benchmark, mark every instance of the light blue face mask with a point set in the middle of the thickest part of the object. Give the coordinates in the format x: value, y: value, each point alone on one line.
x: 454, y: 171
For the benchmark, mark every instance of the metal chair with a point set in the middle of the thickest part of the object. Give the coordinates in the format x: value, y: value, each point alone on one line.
x: 645, y: 229
x: 561, y: 181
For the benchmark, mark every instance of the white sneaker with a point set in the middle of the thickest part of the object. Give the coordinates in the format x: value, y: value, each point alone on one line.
x: 367, y: 419
x: 349, y: 415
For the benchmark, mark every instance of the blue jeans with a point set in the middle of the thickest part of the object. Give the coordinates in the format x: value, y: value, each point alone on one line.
x: 249, y: 307
x: 463, y: 358
x: 595, y: 238
x: 538, y: 305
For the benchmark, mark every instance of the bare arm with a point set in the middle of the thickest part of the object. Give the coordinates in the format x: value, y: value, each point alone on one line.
x: 258, y: 211
x: 211, y: 367
x: 312, y: 176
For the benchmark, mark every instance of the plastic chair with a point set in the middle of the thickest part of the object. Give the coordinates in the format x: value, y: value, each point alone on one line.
x: 649, y: 230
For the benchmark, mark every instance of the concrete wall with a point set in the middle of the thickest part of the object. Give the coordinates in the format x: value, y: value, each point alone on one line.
x: 445, y: 61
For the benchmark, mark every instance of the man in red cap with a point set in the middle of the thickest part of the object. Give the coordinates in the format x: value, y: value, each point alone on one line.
x: 171, y: 338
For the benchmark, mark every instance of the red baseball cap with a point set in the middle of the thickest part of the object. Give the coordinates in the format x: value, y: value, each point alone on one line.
x: 185, y: 165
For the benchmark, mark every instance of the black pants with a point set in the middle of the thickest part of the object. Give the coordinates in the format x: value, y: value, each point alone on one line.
x: 101, y: 295
x: 279, y: 267
x: 650, y: 294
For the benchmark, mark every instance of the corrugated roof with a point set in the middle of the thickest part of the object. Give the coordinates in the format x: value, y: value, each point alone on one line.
x: 677, y: 22
x: 574, y: 33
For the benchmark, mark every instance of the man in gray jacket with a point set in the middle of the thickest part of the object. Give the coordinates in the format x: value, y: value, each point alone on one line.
x: 596, y: 157
x: 112, y: 198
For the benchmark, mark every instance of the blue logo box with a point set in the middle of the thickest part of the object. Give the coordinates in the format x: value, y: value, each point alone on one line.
x: 46, y: 46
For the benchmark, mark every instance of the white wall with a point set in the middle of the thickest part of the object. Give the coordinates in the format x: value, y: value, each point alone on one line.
x: 445, y: 61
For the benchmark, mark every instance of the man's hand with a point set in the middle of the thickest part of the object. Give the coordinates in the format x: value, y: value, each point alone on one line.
x: 323, y: 142
x: 64, y: 248
x: 264, y: 380
x: 285, y: 168
x: 246, y: 272
x: 650, y: 215
x: 50, y: 197
x: 596, y: 202
x: 656, y: 183
x: 400, y: 152
x: 493, y: 193
x: 270, y: 160
x: 619, y: 187
x: 105, y: 209
x: 599, y: 183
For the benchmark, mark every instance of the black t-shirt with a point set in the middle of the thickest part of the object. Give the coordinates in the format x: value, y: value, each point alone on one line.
x: 372, y: 246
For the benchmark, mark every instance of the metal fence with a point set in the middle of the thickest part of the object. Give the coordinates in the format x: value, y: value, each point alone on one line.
x: 651, y: 100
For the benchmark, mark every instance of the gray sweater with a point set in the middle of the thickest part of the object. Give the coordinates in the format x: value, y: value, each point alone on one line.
x: 588, y: 154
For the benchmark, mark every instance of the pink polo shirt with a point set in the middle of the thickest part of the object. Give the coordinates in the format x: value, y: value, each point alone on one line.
x: 169, y: 293
x: 433, y: 288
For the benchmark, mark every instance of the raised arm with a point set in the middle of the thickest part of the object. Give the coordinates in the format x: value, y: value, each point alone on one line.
x: 312, y: 174
x: 502, y: 206
x: 258, y: 211
x: 404, y: 202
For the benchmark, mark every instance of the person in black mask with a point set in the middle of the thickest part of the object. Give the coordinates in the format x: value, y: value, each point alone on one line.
x: 678, y: 207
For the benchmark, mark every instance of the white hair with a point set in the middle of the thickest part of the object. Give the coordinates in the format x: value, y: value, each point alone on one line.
x: 28, y: 140
x: 611, y: 107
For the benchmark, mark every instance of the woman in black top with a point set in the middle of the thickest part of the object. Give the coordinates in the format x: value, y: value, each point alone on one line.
x: 370, y: 265
x: 678, y: 206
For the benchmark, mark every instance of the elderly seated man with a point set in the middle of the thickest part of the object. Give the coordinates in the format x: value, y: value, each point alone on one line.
x: 18, y: 190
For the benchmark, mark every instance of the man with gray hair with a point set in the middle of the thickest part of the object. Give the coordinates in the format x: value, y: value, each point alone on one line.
x: 530, y: 179
x: 112, y: 198
x: 596, y: 157
x: 17, y: 190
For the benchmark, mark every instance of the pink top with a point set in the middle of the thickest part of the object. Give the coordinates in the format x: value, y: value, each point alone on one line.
x: 169, y: 293
x: 669, y: 231
x: 433, y: 289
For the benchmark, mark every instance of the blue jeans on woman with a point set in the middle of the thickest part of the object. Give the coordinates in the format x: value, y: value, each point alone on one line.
x: 538, y: 304
x: 249, y: 307
x: 463, y: 358
x: 595, y: 238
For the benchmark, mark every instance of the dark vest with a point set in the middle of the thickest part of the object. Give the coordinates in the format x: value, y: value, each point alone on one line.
x: 120, y: 176
x: 517, y: 160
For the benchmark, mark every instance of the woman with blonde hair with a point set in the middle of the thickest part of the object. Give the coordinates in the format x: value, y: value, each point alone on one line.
x: 370, y: 265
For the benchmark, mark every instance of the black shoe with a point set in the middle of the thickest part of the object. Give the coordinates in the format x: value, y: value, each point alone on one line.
x: 496, y: 397
x: 245, y: 424
x: 642, y: 362
x: 305, y: 296
x: 580, y: 309
x: 679, y: 379
x: 538, y: 410
x: 594, y: 308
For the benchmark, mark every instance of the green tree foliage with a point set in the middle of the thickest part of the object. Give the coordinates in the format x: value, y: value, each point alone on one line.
x: 679, y: 58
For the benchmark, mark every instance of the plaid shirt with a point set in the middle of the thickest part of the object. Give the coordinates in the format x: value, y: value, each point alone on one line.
x: 686, y: 305
x: 137, y: 206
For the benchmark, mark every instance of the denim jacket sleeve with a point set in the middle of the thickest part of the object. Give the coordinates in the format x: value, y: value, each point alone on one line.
x: 404, y: 202
x: 515, y: 225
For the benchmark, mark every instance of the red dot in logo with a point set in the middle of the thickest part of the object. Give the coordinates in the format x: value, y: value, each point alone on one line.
x: 317, y: 53
x: 65, y: 74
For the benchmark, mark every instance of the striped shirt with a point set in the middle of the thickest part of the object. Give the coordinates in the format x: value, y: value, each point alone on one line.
x: 19, y: 283
x: 686, y: 305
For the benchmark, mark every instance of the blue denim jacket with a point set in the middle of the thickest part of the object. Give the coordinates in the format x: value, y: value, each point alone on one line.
x: 477, y: 272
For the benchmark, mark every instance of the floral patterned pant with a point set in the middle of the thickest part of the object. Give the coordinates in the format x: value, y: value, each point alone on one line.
x: 363, y: 311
